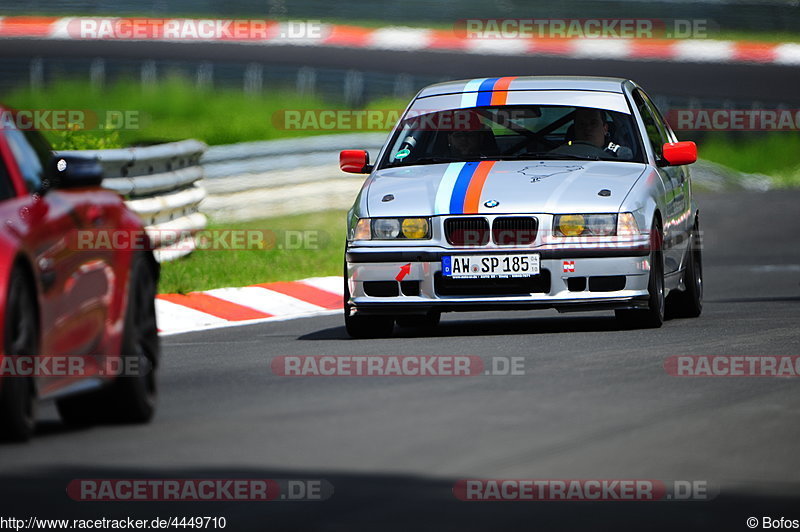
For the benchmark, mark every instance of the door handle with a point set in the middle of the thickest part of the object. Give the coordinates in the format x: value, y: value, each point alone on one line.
x: 47, y: 272
x: 94, y: 215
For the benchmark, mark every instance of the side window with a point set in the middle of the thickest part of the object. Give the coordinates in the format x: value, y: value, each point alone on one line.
x: 6, y: 186
x: 654, y: 128
x: 663, y: 126
x: 40, y: 145
x: 32, y: 155
x: 671, y: 136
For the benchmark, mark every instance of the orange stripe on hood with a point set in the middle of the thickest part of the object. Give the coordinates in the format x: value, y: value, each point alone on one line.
x: 473, y: 198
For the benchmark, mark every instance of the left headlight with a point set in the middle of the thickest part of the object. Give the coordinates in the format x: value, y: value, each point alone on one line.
x: 585, y: 224
x: 392, y: 229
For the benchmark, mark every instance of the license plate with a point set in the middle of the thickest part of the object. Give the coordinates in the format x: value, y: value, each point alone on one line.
x: 482, y: 266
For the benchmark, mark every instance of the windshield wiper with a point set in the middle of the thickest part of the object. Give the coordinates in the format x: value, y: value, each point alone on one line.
x: 555, y: 156
x: 424, y: 160
x: 435, y: 160
x: 428, y: 160
x: 520, y: 157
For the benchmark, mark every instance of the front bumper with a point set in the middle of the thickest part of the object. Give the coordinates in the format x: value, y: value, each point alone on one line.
x: 571, y: 279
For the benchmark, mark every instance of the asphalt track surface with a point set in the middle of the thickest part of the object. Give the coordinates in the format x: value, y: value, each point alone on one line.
x: 595, y: 402
x: 706, y: 81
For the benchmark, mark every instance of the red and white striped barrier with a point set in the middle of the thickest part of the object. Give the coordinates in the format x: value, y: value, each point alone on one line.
x: 225, y: 307
x: 401, y: 38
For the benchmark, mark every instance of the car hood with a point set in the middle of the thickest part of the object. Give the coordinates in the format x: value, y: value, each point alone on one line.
x: 501, y: 187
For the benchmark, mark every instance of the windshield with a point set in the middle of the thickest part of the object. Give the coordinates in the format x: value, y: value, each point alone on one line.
x: 521, y: 132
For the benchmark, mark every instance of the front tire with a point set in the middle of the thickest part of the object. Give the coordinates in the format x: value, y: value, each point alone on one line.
x: 18, y: 394
x: 653, y: 316
x: 369, y: 326
x: 130, y: 398
x: 689, y: 302
x: 360, y: 326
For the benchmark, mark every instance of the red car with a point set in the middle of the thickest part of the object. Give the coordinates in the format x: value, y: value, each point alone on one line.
x: 77, y: 320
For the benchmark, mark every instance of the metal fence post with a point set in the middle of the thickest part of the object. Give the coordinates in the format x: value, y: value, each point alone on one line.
x: 353, y: 88
x: 37, y: 73
x: 253, y: 78
x: 148, y: 74
x: 205, y: 75
x: 403, y: 86
x: 306, y: 81
x: 97, y: 73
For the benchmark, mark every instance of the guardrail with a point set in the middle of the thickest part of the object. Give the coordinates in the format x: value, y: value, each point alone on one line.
x: 263, y: 179
x: 161, y: 183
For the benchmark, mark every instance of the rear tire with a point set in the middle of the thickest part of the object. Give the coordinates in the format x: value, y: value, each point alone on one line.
x: 369, y: 326
x: 689, y: 302
x: 653, y: 316
x: 21, y: 336
x: 360, y: 326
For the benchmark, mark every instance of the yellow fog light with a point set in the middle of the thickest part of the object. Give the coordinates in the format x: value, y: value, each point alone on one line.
x: 415, y: 228
x: 571, y: 224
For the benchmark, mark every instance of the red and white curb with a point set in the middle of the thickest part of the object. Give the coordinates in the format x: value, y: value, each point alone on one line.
x: 226, y: 307
x: 416, y: 39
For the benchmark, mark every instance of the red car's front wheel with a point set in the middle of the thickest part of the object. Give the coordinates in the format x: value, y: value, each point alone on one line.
x: 21, y: 336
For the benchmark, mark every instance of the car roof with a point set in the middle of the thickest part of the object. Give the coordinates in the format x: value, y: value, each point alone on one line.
x: 580, y: 83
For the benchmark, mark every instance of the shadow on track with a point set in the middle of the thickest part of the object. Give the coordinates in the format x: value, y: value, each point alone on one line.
x: 48, y: 428
x: 382, y: 502
x: 491, y: 327
x: 45, y: 428
x: 778, y: 299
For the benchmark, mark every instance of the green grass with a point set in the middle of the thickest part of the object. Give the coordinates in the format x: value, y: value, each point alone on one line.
x: 776, y: 155
x: 319, y: 237
x: 173, y: 110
